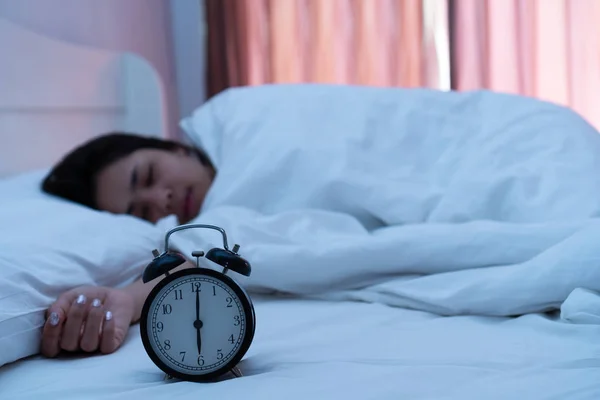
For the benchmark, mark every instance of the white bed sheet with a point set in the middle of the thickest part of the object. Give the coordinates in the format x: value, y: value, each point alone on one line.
x: 309, y: 349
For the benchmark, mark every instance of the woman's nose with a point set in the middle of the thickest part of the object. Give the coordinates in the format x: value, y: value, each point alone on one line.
x: 159, y: 199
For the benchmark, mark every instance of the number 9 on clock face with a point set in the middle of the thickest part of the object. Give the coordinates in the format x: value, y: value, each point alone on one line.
x: 197, y: 324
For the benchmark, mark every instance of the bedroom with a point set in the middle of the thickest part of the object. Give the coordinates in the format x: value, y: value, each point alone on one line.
x: 454, y: 259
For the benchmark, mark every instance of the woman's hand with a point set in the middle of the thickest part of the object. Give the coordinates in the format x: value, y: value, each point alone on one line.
x: 93, y: 318
x: 89, y: 319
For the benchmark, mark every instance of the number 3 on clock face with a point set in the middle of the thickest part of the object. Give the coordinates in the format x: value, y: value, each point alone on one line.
x: 197, y: 324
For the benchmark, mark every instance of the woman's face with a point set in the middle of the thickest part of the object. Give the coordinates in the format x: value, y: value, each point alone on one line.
x: 152, y: 184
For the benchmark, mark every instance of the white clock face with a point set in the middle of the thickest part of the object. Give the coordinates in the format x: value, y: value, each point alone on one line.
x: 196, y: 324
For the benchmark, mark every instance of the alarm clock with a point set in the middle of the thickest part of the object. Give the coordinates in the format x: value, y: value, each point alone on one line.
x: 197, y: 323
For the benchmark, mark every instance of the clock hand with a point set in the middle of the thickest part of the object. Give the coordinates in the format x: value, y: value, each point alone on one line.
x: 197, y: 305
x: 198, y: 323
x: 199, y: 341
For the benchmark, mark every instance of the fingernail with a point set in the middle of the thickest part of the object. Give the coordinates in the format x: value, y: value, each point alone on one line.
x: 96, y: 303
x: 108, y: 315
x: 53, y: 319
x: 81, y: 299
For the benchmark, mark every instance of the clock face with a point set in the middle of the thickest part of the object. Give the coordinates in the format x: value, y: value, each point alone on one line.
x: 197, y: 323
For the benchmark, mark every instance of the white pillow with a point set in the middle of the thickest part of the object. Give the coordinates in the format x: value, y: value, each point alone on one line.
x: 49, y: 246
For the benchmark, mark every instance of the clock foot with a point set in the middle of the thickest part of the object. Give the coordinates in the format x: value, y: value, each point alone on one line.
x: 237, y: 372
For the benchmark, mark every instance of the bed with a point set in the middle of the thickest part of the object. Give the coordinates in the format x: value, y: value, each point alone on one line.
x: 57, y: 95
x: 477, y: 278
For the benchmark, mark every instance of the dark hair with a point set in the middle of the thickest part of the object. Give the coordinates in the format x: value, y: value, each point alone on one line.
x: 73, y: 178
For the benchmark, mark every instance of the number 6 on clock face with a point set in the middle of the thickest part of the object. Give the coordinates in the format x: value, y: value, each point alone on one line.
x: 197, y: 324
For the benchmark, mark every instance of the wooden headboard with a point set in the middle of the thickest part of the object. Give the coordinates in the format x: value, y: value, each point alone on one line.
x: 55, y: 95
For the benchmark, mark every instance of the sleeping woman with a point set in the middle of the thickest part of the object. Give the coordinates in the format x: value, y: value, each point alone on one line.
x: 124, y: 174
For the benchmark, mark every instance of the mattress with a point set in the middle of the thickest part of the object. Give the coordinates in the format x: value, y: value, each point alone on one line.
x: 314, y: 349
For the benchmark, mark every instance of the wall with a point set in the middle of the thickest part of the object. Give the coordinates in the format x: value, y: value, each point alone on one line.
x: 138, y: 26
x: 189, y: 45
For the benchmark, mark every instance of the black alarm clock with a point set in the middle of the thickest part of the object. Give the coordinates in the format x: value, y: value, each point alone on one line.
x: 197, y: 323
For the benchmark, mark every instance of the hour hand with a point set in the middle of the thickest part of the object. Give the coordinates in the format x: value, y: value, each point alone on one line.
x: 199, y: 341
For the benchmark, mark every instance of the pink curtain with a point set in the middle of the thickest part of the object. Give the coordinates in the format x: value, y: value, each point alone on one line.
x: 366, y: 42
x: 549, y: 49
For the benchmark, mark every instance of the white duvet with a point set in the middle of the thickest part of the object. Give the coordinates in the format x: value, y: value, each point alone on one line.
x: 453, y: 203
